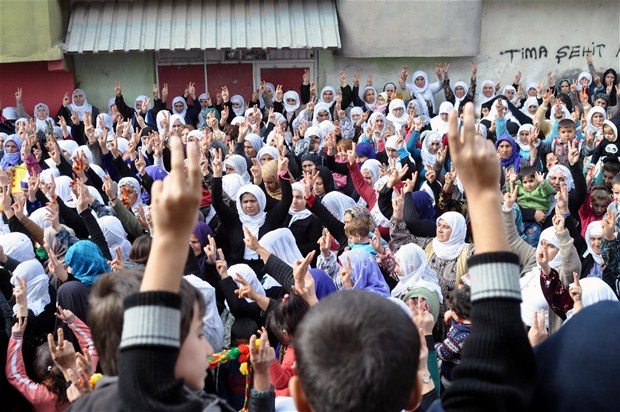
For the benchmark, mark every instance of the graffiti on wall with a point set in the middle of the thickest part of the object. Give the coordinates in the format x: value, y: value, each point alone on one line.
x: 562, y: 53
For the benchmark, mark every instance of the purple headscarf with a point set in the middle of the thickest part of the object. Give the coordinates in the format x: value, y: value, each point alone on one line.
x: 156, y: 172
x: 202, y: 232
x: 424, y: 205
x: 515, y: 157
x: 365, y: 149
x: 366, y: 273
x: 323, y: 284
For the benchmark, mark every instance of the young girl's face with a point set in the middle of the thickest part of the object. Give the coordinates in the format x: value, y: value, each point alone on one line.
x: 529, y: 183
x: 609, y: 79
x: 193, y: 362
x: 484, y: 111
x: 380, y: 100
x: 565, y: 87
x: 532, y: 109
x: 609, y: 133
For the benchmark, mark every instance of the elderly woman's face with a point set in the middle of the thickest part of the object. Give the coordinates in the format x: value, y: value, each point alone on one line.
x: 444, y: 231
x: 487, y: 90
x: 194, y: 243
x: 322, y: 115
x: 299, y: 202
x: 248, y: 149
x: 434, y: 146
x: 595, y: 243
x: 176, y: 127
x: 419, y: 81
x: 42, y: 113
x: 459, y: 91
x: 328, y: 96
x: 412, y: 110
x: 249, y: 204
x: 509, y: 93
x: 532, y: 108
x: 265, y: 158
x: 129, y: 196
x: 367, y: 176
x: 398, y: 112
x: 504, y: 149
x: 355, y: 117
x: 78, y: 98
x: 556, y: 179
x: 230, y: 170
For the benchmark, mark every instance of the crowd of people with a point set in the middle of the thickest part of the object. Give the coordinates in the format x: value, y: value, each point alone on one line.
x: 423, y: 246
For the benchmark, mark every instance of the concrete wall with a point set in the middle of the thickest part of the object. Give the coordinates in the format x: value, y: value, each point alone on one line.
x: 97, y: 74
x: 31, y: 30
x: 535, y: 37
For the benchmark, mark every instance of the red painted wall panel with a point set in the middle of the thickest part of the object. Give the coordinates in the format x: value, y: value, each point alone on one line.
x: 237, y: 77
x: 290, y: 79
x: 38, y: 83
x: 178, y: 77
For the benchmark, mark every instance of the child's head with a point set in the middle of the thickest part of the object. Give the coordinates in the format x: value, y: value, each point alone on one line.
x: 355, y: 352
x: 551, y: 160
x: 610, y: 131
x: 50, y: 374
x: 615, y: 188
x: 344, y: 146
x: 566, y: 130
x: 193, y: 361
x: 286, y: 316
x: 140, y: 249
x: 242, y: 330
x: 611, y: 167
x: 105, y: 318
x: 600, y: 198
x: 527, y: 176
x: 459, y: 301
x: 358, y: 223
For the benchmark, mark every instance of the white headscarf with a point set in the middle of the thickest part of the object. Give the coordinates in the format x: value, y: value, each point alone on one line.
x: 414, y: 267
x: 482, y: 99
x: 182, y: 113
x: 115, y: 235
x: 582, y: 75
x: 240, y: 165
x: 525, y: 127
x: 399, y: 121
x: 593, y: 290
x: 323, y: 90
x: 453, y: 247
x: 37, y: 283
x: 319, y: 108
x: 255, y: 140
x: 213, y: 327
x: 422, y: 94
x: 42, y: 124
x: 291, y: 94
x: 530, y: 101
x: 427, y: 157
x: 85, y: 107
x: 531, y: 291
x: 231, y: 184
x: 63, y: 190
x: 564, y: 110
x: 372, y: 166
x: 253, y: 223
x: 141, y: 99
x: 369, y: 106
x: 591, y: 113
x: 594, y: 229
x: 38, y: 217
x: 437, y: 123
x: 302, y: 214
x: 248, y: 274
x: 133, y: 182
x: 458, y: 100
x: 570, y: 182
x: 68, y: 146
x: 267, y: 150
x: 337, y: 203
x: 239, y: 100
x: 281, y: 243
x: 17, y: 246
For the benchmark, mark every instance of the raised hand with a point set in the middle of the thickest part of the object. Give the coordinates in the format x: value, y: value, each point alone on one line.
x: 117, y: 89
x: 325, y: 243
x: 20, y: 292
x: 609, y: 225
x: 538, y: 332
x: 117, y: 263
x: 63, y: 353
x: 211, y: 250
x: 576, y: 293
x: 376, y: 243
x: 346, y: 273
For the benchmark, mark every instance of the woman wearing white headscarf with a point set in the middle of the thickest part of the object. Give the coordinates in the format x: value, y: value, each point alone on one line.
x: 305, y: 227
x: 413, y: 267
x: 338, y: 203
x: 397, y: 113
x: 559, y: 255
x: 446, y: 253
x: 242, y: 307
x: 289, y: 107
x: 375, y: 131
x: 487, y: 93
x: 115, y: 236
x: 37, y: 283
x: 79, y: 104
x: 250, y: 214
x: 439, y: 123
x: 592, y: 262
x: 424, y: 92
x: 231, y: 183
x: 42, y: 116
x: 237, y: 164
x: 17, y: 249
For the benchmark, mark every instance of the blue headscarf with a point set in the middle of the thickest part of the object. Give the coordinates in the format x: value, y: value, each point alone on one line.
x: 365, y: 149
x: 11, y: 159
x: 366, y: 273
x: 86, y: 261
x: 323, y: 284
x: 515, y: 157
x: 424, y: 205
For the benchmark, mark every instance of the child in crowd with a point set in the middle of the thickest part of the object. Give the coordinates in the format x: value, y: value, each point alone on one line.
x: 614, y: 206
x: 594, y: 207
x: 533, y: 192
x: 449, y: 351
x: 609, y: 145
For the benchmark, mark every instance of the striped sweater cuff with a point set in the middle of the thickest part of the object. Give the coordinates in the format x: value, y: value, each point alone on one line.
x: 152, y: 319
x: 494, y: 275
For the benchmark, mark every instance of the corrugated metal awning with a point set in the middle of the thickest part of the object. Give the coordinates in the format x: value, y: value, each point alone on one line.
x: 111, y: 26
